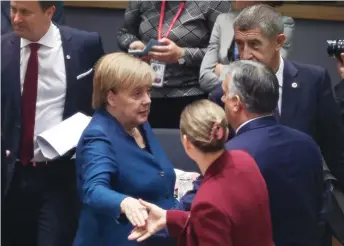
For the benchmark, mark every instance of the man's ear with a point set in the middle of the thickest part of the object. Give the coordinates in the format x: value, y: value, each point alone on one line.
x: 280, y: 41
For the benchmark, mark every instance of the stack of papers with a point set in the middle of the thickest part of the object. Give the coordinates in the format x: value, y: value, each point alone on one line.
x: 63, y: 137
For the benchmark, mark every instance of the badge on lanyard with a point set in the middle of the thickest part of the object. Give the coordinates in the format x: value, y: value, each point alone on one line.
x: 159, y: 67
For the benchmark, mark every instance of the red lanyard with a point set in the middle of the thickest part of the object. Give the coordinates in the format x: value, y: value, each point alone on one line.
x: 162, y: 16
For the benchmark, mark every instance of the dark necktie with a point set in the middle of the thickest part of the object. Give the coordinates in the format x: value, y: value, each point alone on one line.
x: 29, y: 97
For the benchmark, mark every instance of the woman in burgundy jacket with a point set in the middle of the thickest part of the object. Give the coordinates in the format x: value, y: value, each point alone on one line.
x: 231, y: 208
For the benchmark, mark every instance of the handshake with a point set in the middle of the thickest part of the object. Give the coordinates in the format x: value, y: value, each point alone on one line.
x: 147, y: 218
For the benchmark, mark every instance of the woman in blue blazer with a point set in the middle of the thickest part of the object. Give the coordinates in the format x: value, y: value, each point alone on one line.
x: 118, y: 158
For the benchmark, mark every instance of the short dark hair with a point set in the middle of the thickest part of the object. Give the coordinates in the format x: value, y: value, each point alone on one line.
x: 47, y: 4
x: 255, y: 84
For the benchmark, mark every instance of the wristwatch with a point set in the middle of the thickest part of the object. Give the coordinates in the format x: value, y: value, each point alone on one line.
x: 181, y: 59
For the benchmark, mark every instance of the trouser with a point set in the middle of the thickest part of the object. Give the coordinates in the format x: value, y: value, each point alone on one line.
x: 41, y: 207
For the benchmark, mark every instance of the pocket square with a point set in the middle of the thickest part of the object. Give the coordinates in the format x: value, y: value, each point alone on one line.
x: 80, y: 76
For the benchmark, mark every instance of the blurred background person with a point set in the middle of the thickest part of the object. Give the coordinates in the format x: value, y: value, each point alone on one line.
x: 222, y: 48
x: 339, y: 88
x: 232, y: 195
x: 40, y: 64
x: 290, y: 161
x: 184, y: 28
x: 118, y: 158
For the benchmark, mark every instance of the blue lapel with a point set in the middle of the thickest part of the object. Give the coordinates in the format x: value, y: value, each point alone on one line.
x: 290, y: 91
x: 155, y: 155
x: 71, y: 61
x: 258, y: 123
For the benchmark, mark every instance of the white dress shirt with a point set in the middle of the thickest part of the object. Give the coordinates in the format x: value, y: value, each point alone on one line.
x: 279, y: 75
x: 51, y: 90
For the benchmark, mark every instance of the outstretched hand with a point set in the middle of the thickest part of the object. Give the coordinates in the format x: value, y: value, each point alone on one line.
x: 156, y: 221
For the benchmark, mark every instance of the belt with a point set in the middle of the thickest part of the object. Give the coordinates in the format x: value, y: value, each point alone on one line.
x: 46, y: 163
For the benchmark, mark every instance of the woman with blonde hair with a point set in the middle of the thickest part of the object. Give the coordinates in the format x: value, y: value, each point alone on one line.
x: 231, y: 206
x: 118, y: 158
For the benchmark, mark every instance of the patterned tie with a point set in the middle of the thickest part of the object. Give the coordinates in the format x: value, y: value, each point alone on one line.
x: 29, y: 97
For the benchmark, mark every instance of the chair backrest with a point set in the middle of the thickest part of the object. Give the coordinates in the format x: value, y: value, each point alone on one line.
x: 170, y: 142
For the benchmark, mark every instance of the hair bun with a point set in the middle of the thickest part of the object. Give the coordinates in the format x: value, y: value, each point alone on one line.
x: 217, y: 131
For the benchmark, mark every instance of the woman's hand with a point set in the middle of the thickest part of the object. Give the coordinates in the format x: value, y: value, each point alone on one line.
x: 137, y: 45
x: 156, y: 221
x: 340, y: 66
x: 218, y: 69
x: 135, y: 211
x: 168, y: 52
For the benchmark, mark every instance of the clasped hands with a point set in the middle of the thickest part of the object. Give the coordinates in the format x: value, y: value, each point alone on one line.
x: 169, y: 52
x: 147, y: 218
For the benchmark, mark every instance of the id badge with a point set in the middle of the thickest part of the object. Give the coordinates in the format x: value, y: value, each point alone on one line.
x: 159, y: 69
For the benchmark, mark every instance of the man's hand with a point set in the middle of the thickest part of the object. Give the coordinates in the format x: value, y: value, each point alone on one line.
x: 340, y: 65
x: 156, y: 221
x: 168, y: 52
x: 135, y: 211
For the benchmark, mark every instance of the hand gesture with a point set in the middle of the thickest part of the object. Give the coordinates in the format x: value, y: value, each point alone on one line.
x: 135, y: 212
x: 156, y: 221
x: 168, y: 52
x: 137, y: 45
x: 340, y: 65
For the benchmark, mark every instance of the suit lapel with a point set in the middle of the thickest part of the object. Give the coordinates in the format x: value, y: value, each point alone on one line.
x: 70, y: 59
x: 14, y: 66
x: 291, y: 91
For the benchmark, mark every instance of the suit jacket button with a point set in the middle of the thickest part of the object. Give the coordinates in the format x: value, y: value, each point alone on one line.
x: 162, y: 174
x: 167, y: 196
x: 18, y: 126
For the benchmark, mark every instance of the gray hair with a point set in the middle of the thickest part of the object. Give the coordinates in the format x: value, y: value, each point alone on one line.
x: 255, y: 84
x: 261, y: 16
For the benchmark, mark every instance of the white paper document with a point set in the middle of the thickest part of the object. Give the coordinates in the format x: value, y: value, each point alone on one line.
x: 63, y: 137
x: 184, y: 182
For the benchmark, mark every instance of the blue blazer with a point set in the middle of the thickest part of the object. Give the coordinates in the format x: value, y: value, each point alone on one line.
x: 84, y: 50
x: 111, y: 167
x: 291, y: 164
x: 311, y: 108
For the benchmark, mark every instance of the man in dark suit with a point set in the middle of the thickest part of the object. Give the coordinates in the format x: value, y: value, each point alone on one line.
x: 46, y: 77
x: 307, y: 102
x: 339, y: 88
x: 290, y: 161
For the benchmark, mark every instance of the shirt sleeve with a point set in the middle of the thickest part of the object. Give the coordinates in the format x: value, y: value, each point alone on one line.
x: 194, y: 56
x: 129, y: 32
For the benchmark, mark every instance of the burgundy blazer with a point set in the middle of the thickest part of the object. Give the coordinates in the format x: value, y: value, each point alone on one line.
x: 230, y: 208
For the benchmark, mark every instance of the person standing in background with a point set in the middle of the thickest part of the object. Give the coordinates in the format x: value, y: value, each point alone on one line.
x: 222, y: 48
x: 183, y: 28
x: 339, y: 88
x: 46, y: 77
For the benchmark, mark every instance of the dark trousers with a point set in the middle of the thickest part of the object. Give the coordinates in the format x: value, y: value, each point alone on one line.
x: 41, y: 206
x: 165, y: 112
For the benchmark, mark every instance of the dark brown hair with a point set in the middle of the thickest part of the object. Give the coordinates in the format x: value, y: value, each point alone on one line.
x: 47, y: 4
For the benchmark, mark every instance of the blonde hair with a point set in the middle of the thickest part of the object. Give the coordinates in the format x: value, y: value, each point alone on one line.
x: 118, y: 72
x: 205, y: 125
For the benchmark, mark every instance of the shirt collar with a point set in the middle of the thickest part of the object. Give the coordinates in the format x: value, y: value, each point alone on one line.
x: 49, y: 39
x: 279, y: 73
